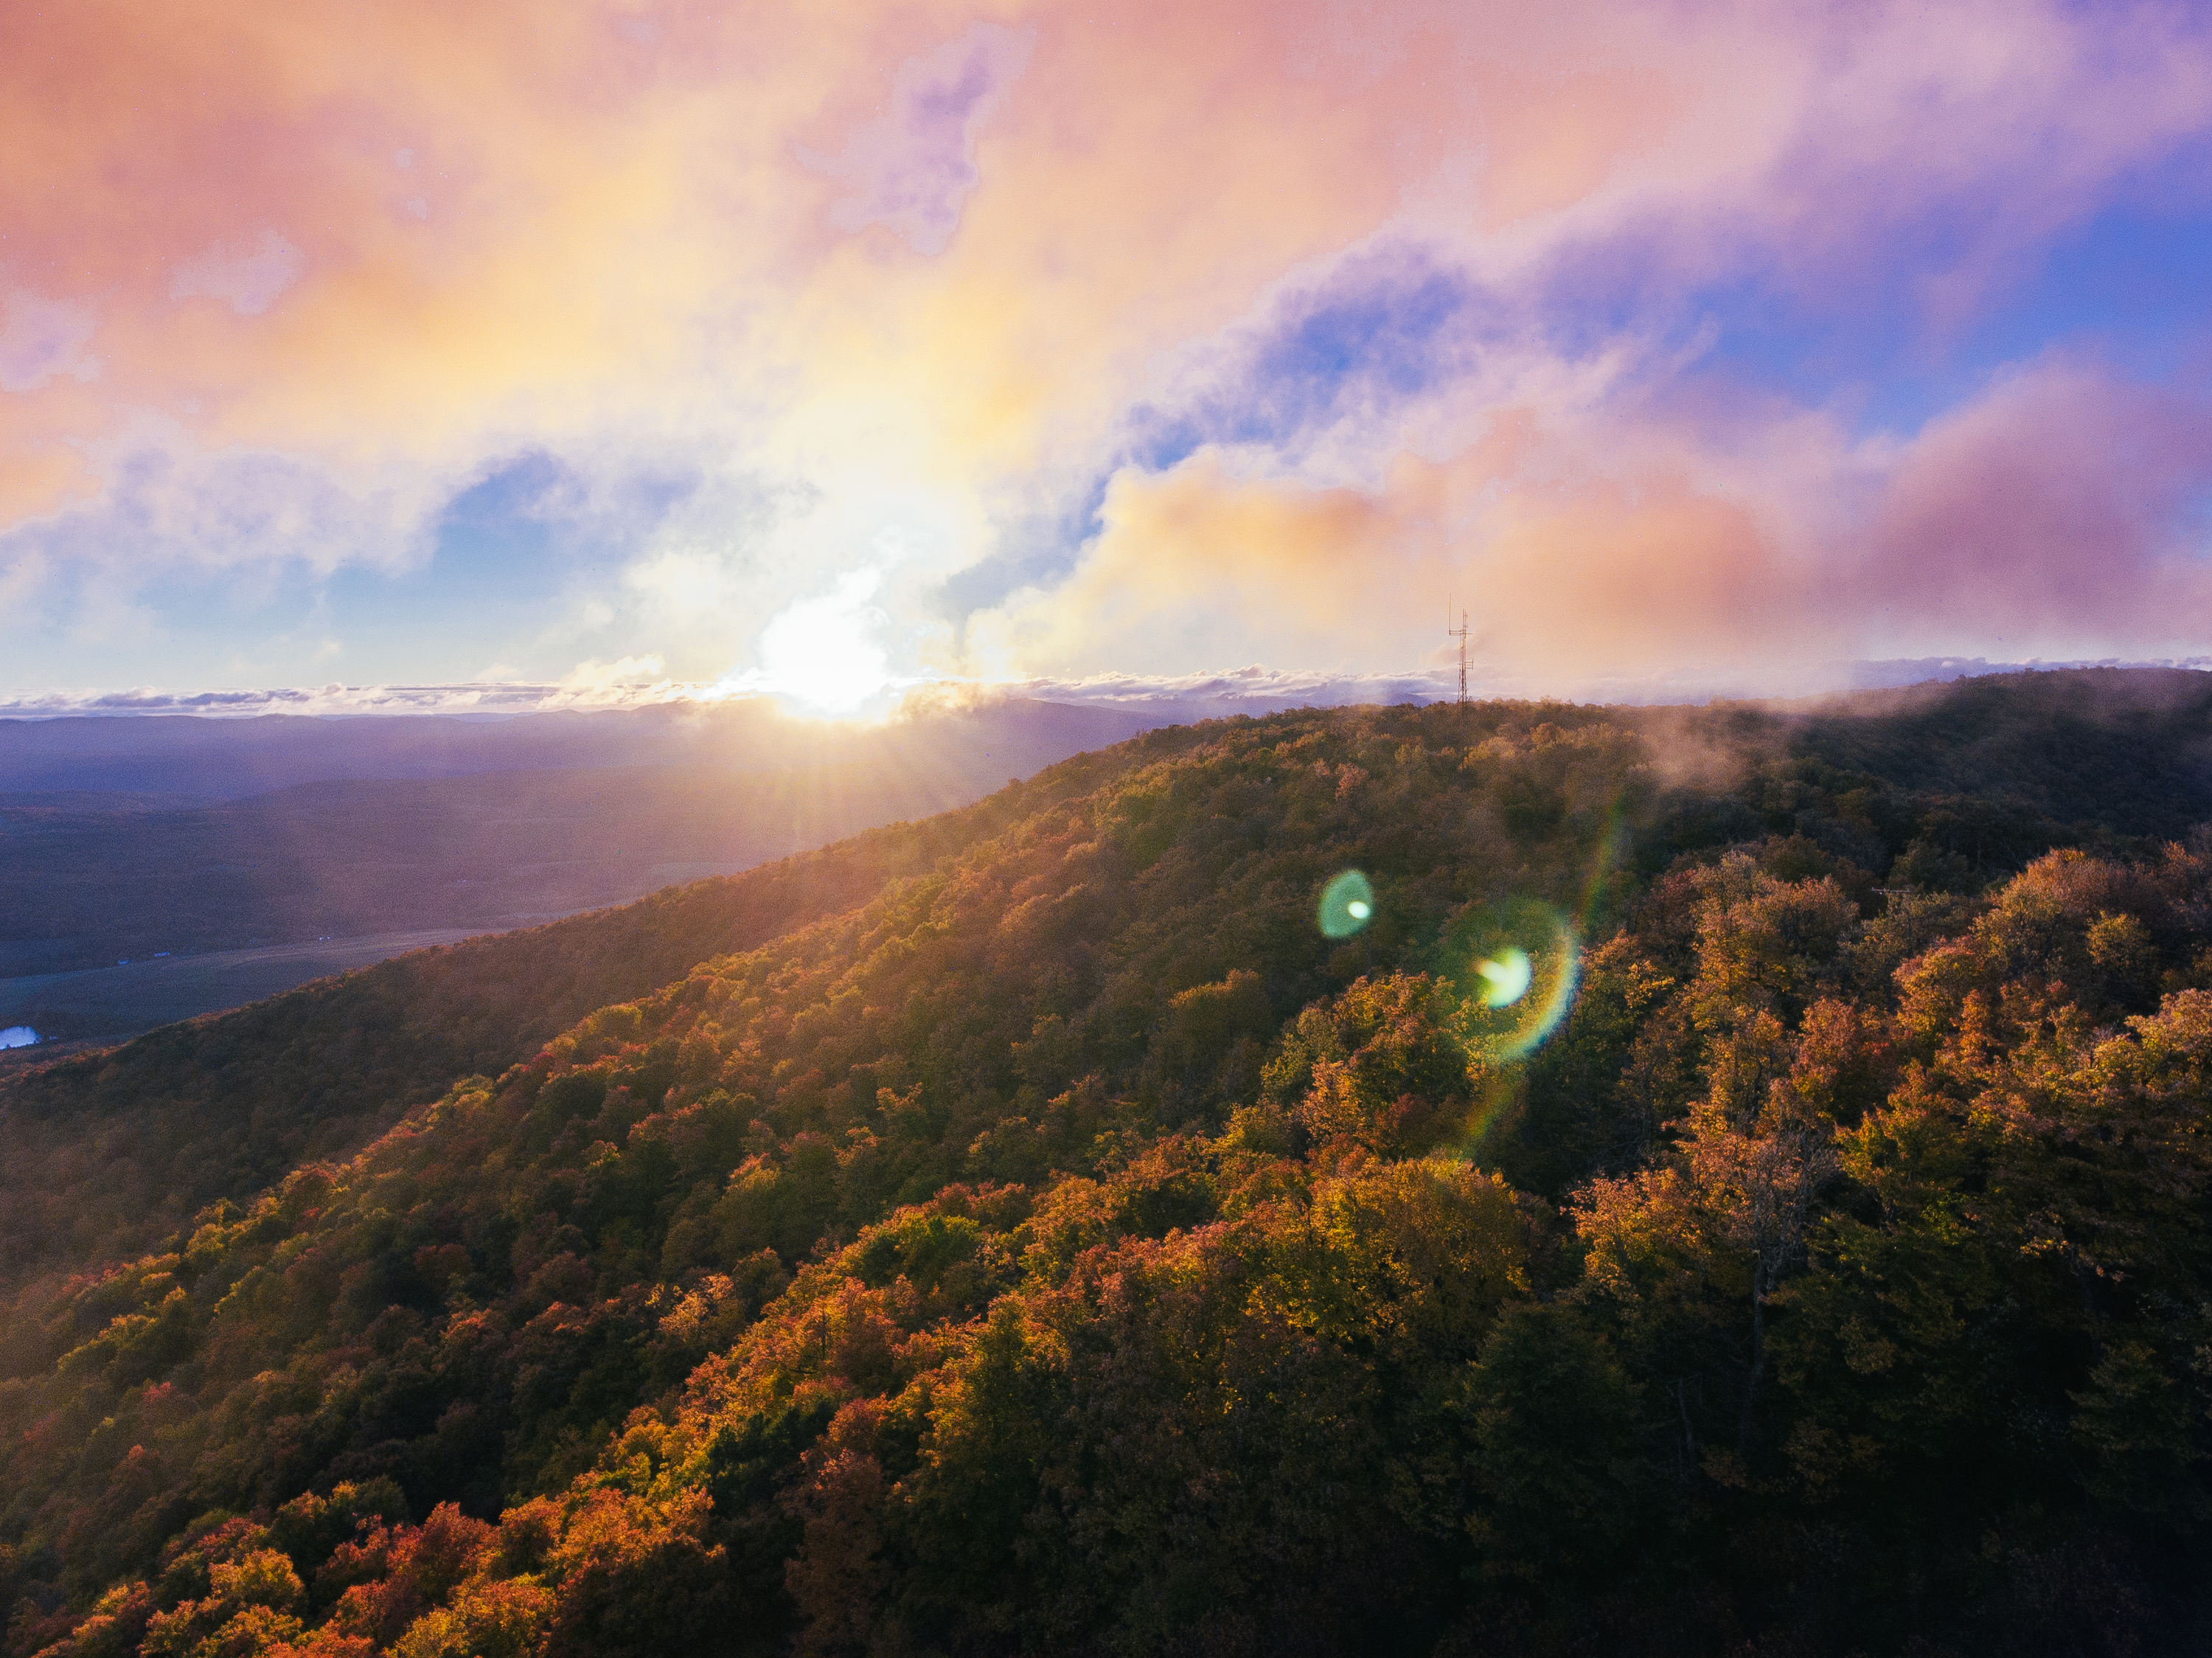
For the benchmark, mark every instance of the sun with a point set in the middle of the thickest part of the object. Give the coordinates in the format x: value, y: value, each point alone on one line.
x: 824, y: 654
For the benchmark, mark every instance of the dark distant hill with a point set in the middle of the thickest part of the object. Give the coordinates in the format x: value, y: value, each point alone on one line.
x: 213, y: 758
x: 544, y: 826
x: 219, y: 759
x: 370, y: 832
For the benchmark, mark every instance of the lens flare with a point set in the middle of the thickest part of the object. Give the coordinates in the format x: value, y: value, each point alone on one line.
x: 1348, y: 904
x: 1505, y: 977
x: 1514, y: 963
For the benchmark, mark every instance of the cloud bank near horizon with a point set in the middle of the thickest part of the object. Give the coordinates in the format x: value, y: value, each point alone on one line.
x: 1684, y: 345
x: 1172, y: 697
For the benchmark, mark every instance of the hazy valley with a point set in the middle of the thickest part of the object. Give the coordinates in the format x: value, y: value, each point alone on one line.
x: 152, y: 841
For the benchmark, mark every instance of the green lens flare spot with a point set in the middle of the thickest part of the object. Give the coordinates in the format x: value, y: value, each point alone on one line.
x: 1348, y: 904
x: 1514, y: 965
x: 1505, y: 976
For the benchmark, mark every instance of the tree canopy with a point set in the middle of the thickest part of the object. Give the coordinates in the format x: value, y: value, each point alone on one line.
x: 1065, y: 1246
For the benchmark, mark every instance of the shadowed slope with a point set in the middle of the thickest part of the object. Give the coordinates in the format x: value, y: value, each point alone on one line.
x: 2127, y: 748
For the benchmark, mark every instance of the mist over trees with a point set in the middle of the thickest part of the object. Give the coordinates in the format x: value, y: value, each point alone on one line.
x: 1027, y: 1232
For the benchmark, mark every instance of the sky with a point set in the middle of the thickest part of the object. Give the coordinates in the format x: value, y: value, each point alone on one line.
x: 614, y: 348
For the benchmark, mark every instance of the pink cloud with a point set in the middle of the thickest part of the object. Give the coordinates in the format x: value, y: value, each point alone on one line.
x: 41, y: 337
x: 914, y: 166
x: 2064, y: 507
x: 247, y: 280
x: 2061, y: 514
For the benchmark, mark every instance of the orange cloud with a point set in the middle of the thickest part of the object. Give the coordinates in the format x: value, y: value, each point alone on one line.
x: 1567, y: 581
x: 2048, y: 517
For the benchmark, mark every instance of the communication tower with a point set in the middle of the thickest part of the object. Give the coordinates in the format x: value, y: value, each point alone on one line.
x: 1460, y: 634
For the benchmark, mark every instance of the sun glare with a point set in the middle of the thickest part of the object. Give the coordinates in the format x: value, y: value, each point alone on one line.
x: 823, y: 654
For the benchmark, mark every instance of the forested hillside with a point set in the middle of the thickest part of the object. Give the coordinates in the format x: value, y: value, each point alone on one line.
x: 1752, y: 1207
x: 103, y: 1153
x: 2129, y: 748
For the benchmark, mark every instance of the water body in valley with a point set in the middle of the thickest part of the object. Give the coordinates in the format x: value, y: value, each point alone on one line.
x: 126, y: 1000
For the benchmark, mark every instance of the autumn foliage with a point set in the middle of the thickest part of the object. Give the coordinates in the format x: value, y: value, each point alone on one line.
x: 1066, y: 1249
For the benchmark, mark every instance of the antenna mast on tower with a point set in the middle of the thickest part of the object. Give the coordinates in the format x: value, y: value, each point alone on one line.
x: 1460, y: 634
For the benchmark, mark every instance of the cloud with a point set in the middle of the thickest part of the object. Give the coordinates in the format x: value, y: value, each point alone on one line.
x: 167, y: 514
x: 913, y: 167
x: 1670, y: 336
x: 248, y: 280
x: 1165, y: 699
x: 2062, y: 508
x: 2062, y: 513
x: 1386, y: 325
x: 627, y: 683
x: 42, y: 338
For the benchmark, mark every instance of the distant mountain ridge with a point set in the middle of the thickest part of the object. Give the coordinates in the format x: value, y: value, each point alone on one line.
x: 298, y: 829
x: 230, y: 758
